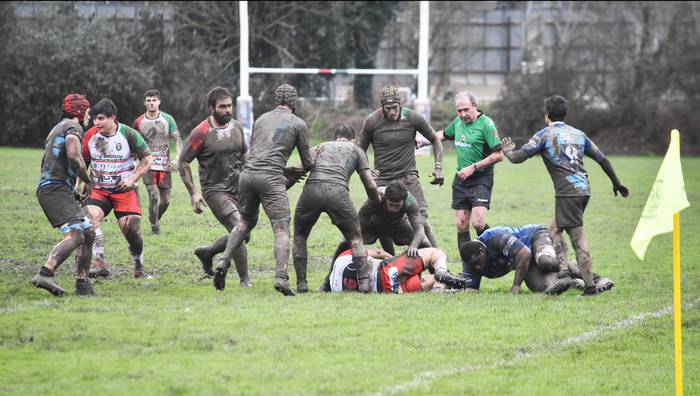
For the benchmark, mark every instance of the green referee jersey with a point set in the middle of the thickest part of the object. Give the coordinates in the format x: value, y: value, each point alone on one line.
x: 474, y: 141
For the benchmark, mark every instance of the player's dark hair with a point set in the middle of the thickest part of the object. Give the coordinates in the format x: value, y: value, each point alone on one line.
x: 151, y: 93
x: 556, y: 108
x: 345, y: 131
x: 469, y: 249
x: 395, y: 191
x: 216, y: 94
x: 105, y: 107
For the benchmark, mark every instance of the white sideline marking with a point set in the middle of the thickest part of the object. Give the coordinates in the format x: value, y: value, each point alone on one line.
x: 534, y: 351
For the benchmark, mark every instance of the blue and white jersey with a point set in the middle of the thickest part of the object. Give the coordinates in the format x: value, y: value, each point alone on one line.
x: 502, y: 245
x: 562, y: 148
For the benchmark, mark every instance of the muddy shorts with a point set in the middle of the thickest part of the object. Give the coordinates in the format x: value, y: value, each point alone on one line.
x: 473, y: 192
x: 59, y: 204
x: 162, y: 179
x: 124, y: 203
x: 266, y: 188
x: 401, y: 233
x: 222, y: 204
x: 568, y: 211
x: 333, y: 199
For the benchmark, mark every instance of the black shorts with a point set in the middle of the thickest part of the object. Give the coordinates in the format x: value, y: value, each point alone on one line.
x: 222, y: 205
x: 475, y: 191
x: 568, y: 211
x: 317, y: 198
x: 59, y: 204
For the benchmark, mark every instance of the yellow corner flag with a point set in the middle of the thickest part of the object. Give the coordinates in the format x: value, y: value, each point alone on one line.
x: 666, y: 198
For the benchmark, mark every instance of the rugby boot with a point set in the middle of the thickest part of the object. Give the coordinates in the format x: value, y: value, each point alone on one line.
x: 444, y: 276
x: 603, y: 284
x: 141, y: 274
x: 563, y: 285
x: 48, y: 283
x: 283, y: 286
x: 99, y: 272
x: 245, y: 283
x: 363, y: 279
x: 83, y: 288
x: 220, y: 272
x: 201, y: 253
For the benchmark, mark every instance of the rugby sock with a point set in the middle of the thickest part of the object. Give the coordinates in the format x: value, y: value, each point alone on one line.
x: 46, y: 272
x: 362, y: 268
x: 137, y: 260
x: 462, y: 236
x: 486, y: 227
x: 98, y: 246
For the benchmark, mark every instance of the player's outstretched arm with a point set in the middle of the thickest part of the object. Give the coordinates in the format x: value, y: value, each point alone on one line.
x: 514, y: 156
x: 617, y: 185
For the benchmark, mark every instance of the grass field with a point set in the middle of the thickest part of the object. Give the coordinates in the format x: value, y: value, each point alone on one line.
x: 178, y: 335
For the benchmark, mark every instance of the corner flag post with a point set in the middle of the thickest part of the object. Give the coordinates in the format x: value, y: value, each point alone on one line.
x: 677, y: 339
x: 661, y: 214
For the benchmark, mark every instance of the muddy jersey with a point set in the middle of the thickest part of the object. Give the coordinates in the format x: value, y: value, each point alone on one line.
x: 344, y: 274
x: 375, y: 212
x: 562, y: 148
x: 502, y: 245
x: 55, y: 167
x: 275, y: 134
x: 334, y: 162
x: 474, y: 141
x: 220, y: 153
x: 157, y: 132
x: 394, y: 142
x: 113, y: 158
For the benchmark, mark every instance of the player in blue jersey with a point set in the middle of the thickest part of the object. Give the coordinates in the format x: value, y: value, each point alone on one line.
x: 527, y: 250
x: 562, y: 148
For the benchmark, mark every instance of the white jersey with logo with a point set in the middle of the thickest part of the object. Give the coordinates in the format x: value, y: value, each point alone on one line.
x: 344, y: 275
x: 113, y: 158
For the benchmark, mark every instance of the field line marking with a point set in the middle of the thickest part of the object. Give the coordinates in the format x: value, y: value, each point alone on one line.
x: 535, y: 351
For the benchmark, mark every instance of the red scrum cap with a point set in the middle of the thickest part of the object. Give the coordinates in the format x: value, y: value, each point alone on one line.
x: 75, y: 105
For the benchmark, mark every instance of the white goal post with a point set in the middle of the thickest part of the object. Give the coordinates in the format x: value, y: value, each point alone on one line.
x: 244, y: 102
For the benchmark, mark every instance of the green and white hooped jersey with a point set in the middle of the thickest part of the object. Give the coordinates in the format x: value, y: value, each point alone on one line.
x: 157, y: 132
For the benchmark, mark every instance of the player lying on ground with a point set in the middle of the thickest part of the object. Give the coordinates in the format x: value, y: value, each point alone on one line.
x: 389, y: 274
x: 529, y: 251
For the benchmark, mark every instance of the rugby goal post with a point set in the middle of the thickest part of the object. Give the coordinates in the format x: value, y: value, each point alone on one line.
x: 244, y: 102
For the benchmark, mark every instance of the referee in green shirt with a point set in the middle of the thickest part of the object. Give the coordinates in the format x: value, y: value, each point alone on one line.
x: 478, y: 149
